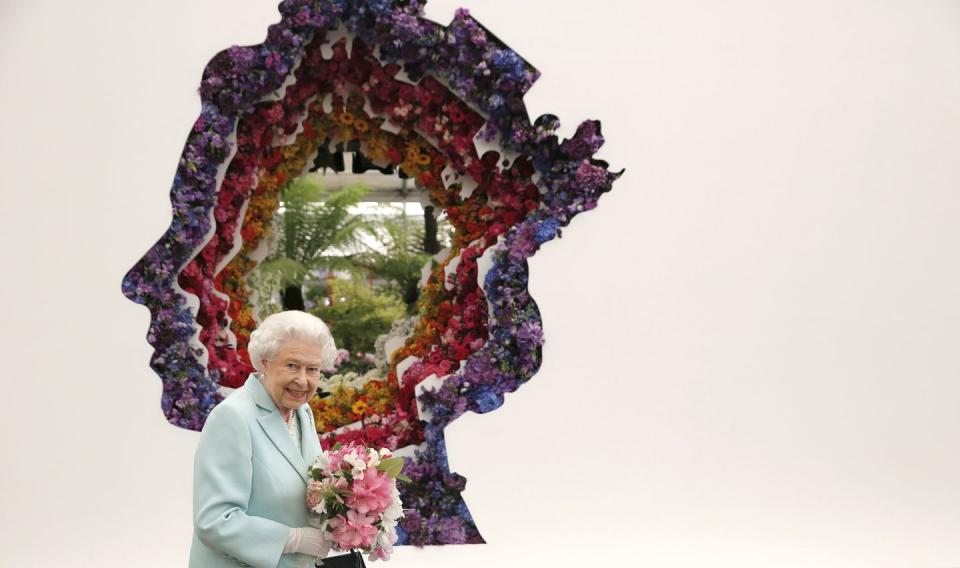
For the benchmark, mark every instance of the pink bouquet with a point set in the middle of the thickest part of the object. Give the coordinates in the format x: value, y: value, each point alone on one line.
x: 353, y: 494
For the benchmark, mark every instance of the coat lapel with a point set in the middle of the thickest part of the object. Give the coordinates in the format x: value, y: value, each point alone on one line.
x: 308, y: 428
x: 273, y: 425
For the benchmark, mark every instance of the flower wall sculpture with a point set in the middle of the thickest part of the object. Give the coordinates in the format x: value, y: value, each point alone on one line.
x: 418, y: 96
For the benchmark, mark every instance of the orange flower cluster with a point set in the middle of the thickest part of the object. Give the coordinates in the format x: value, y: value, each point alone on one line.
x: 435, y: 308
x: 347, y: 405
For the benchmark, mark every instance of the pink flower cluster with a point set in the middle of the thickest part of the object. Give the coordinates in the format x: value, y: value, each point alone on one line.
x: 353, y: 492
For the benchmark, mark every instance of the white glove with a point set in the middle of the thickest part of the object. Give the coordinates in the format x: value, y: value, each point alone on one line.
x: 307, y: 540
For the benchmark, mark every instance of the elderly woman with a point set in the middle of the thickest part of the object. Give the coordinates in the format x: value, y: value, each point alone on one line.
x: 250, y: 470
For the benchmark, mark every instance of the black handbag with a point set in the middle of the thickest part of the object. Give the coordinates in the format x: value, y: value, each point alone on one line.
x: 350, y: 560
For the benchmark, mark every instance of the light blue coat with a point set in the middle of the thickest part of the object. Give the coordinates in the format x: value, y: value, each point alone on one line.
x: 250, y: 482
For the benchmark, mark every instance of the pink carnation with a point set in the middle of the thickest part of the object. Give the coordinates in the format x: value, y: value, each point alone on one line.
x: 314, y: 494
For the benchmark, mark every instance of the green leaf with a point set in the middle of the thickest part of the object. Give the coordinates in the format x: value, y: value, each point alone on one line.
x: 288, y: 271
x: 336, y: 447
x: 403, y: 477
x: 392, y: 466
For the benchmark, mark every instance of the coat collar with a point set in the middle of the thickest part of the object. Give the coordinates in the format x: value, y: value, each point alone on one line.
x: 275, y: 428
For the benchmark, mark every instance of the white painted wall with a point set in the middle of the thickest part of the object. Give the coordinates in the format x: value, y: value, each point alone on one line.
x: 751, y: 343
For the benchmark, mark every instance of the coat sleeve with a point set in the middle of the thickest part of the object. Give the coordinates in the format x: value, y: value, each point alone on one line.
x: 222, y: 481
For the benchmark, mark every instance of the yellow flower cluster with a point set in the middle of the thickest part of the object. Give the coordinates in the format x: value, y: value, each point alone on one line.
x: 346, y: 405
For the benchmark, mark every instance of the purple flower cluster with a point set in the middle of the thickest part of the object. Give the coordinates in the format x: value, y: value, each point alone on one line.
x: 188, y: 393
x: 486, y: 74
x: 439, y: 514
x: 513, y: 352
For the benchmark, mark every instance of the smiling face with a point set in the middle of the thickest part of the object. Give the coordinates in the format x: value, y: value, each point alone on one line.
x: 292, y: 374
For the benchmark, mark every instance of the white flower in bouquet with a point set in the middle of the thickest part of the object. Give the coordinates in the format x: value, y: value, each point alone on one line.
x: 393, y: 511
x: 373, y: 457
x: 358, y: 464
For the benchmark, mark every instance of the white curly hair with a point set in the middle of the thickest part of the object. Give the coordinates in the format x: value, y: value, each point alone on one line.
x: 277, y: 328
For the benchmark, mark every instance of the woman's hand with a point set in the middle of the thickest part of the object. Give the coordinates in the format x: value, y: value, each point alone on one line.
x: 308, y: 540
